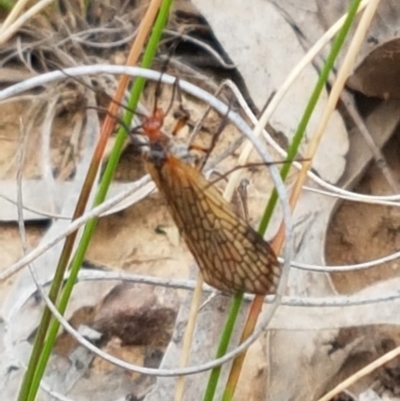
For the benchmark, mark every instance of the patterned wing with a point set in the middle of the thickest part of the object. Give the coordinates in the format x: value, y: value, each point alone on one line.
x: 231, y: 255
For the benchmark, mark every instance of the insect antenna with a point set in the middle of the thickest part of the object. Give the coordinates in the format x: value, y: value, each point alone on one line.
x: 95, y: 90
x: 107, y: 112
x: 249, y: 165
x: 163, y: 70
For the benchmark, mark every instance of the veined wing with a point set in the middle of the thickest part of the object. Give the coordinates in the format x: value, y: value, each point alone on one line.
x: 231, y: 255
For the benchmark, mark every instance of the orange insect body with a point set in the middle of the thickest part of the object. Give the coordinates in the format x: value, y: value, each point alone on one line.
x: 152, y: 127
x: 231, y: 255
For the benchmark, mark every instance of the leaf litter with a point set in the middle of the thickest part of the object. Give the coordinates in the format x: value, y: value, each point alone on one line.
x: 130, y: 237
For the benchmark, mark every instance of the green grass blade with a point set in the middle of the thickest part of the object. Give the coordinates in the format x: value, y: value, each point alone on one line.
x: 223, y: 345
x: 301, y: 129
x: 292, y: 151
x: 38, y: 361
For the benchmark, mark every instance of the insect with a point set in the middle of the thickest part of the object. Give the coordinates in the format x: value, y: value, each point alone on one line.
x: 231, y: 255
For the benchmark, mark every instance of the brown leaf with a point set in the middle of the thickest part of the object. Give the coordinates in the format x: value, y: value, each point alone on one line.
x: 378, y: 74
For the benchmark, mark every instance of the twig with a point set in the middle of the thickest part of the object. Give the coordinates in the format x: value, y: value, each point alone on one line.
x: 75, y: 225
x: 348, y: 100
x: 377, y: 154
x: 189, y: 285
x: 361, y: 373
x: 11, y: 29
x: 203, y: 45
x: 47, y: 172
x: 188, y: 338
